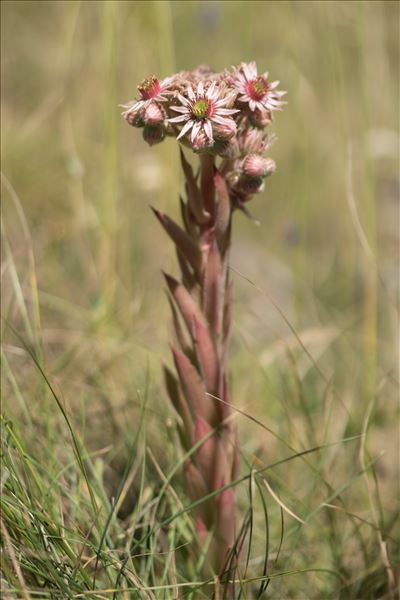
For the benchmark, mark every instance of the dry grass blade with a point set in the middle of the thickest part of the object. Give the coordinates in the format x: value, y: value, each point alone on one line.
x: 13, y: 558
x: 281, y: 504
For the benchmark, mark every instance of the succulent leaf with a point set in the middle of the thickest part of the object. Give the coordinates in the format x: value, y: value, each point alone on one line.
x: 194, y: 389
x: 186, y: 245
x: 213, y: 291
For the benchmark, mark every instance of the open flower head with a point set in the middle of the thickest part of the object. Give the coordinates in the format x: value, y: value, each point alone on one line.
x: 256, y: 90
x: 201, y: 109
x: 151, y: 90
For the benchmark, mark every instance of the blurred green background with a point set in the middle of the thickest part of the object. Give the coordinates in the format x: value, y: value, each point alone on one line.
x: 82, y: 252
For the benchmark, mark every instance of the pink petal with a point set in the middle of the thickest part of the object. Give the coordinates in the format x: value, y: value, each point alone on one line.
x: 178, y: 119
x: 208, y: 130
x: 250, y: 70
x: 181, y: 109
x: 184, y: 100
x: 221, y: 120
x: 211, y: 92
x: 166, y: 81
x: 185, y: 129
x: 195, y: 130
x: 227, y: 111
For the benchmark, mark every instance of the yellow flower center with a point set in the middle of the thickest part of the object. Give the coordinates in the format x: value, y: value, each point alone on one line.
x: 200, y: 109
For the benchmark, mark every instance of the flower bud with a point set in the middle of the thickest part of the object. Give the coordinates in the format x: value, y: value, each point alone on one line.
x: 201, y: 142
x: 271, y: 167
x: 226, y: 148
x: 134, y: 117
x: 153, y: 134
x: 252, y: 141
x: 261, y: 117
x: 225, y: 130
x: 153, y: 114
x: 255, y: 165
x: 250, y: 185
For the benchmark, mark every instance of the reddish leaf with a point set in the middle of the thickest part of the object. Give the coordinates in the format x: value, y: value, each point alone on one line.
x: 222, y: 465
x: 185, y: 244
x: 213, y: 289
x: 196, y: 484
x: 187, y: 275
x: 187, y: 306
x: 206, y: 453
x: 223, y: 208
x: 227, y: 459
x: 190, y: 225
x: 206, y: 355
x: 207, y: 182
x: 194, y: 388
x: 202, y: 530
x: 181, y: 336
x: 225, y: 522
x: 197, y: 489
x: 179, y: 403
x: 194, y: 197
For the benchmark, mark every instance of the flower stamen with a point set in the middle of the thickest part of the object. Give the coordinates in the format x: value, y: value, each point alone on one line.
x: 149, y: 88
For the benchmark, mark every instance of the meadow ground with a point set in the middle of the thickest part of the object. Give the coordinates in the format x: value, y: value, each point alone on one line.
x: 92, y: 500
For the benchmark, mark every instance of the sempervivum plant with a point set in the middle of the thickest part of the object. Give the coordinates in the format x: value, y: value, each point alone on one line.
x: 222, y: 117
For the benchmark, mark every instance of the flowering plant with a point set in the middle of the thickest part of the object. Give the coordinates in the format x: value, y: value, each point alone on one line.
x: 221, y: 117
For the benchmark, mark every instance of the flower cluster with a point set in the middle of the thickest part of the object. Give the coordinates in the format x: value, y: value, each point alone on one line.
x: 224, y: 114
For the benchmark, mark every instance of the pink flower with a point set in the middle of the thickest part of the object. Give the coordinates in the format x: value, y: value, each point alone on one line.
x: 201, y: 109
x: 150, y: 90
x: 256, y: 90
